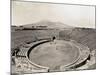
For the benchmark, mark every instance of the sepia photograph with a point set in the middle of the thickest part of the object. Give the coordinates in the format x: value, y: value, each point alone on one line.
x: 52, y: 37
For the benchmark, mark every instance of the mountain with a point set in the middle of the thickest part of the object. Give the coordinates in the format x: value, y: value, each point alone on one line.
x: 49, y: 24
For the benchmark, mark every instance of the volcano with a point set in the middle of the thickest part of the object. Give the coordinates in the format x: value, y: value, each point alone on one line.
x: 48, y: 24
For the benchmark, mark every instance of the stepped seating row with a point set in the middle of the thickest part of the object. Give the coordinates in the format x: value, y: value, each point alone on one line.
x: 84, y: 55
x: 84, y: 36
x: 20, y: 37
x: 23, y: 50
x: 22, y: 65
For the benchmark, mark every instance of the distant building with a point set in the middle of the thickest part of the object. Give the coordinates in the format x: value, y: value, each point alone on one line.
x: 41, y: 27
x: 33, y: 26
x: 15, y: 28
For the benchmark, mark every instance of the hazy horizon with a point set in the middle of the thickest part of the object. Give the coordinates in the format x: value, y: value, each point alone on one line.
x: 73, y: 15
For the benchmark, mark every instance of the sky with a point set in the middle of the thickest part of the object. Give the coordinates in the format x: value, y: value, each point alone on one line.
x: 32, y: 12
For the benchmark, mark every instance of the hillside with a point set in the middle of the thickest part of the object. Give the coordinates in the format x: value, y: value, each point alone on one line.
x: 49, y: 24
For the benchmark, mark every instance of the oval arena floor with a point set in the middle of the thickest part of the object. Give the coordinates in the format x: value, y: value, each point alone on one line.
x: 55, y: 54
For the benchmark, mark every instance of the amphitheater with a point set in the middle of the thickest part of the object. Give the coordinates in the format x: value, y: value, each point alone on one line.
x: 73, y: 49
